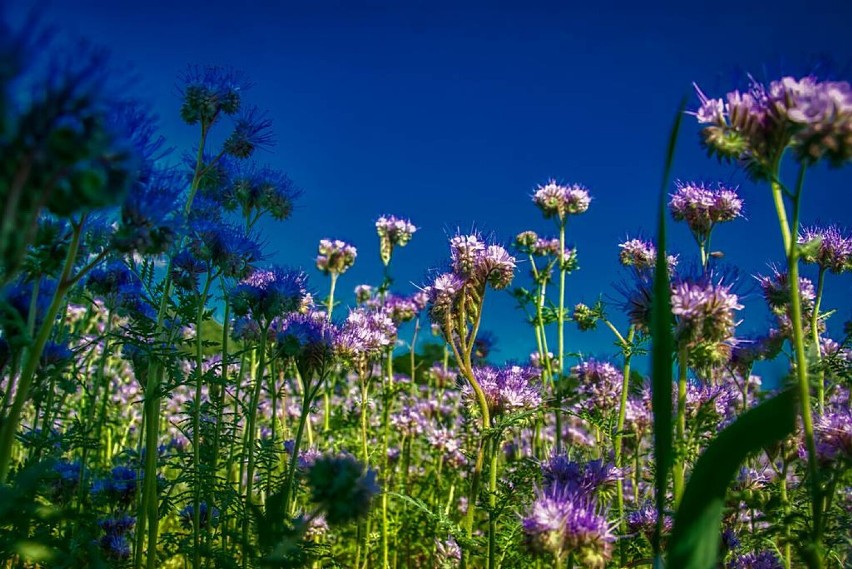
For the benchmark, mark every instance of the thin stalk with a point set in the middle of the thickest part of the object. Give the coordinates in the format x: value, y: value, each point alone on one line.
x: 560, y: 332
x: 679, y: 471
x: 492, y: 503
x: 294, y: 458
x: 619, y: 434
x: 196, y: 426
x: 815, y: 340
x: 31, y: 360
x: 386, y: 404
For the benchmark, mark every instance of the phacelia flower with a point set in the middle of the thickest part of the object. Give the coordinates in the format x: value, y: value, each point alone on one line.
x: 393, y: 231
x: 363, y: 293
x: 829, y: 247
x: 833, y: 432
x: 268, y: 294
x: 704, y: 311
x: 206, y: 515
x: 756, y: 560
x: 335, y: 256
x: 507, y: 389
x: 252, y: 130
x: 599, y: 385
x: 310, y: 339
x: 226, y: 248
x: 560, y: 523
x: 644, y: 521
x: 366, y: 333
x: 342, y: 488
x: 150, y: 216
x: 210, y: 92
x: 702, y: 208
x: 555, y: 200
x: 642, y: 255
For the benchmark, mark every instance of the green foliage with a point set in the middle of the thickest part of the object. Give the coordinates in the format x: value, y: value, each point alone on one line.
x: 694, y: 543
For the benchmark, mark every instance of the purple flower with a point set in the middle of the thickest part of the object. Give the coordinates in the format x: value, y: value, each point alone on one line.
x: 393, y: 231
x: 756, y: 560
x: 704, y: 311
x: 644, y: 521
x: 366, y: 333
x: 150, y: 215
x: 833, y: 432
x: 252, y: 130
x: 829, y: 247
x: 335, y: 257
x: 555, y: 200
x: 561, y: 523
x: 310, y: 339
x: 268, y: 294
x: 581, y: 479
x: 702, y: 208
x: 507, y: 389
x: 225, y: 248
x: 599, y: 385
x: 206, y: 515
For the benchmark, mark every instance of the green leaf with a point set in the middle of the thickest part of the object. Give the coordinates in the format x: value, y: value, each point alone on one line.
x: 695, y: 538
x: 662, y: 347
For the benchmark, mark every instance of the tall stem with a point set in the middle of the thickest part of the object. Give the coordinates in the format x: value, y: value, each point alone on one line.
x: 815, y: 339
x: 196, y: 425
x: 619, y: 434
x: 560, y: 334
x: 12, y: 420
x: 307, y: 396
x: 679, y: 472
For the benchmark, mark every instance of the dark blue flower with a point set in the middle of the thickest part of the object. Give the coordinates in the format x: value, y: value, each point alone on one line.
x: 224, y: 247
x: 268, y: 294
x: 206, y: 515
x: 115, y: 546
x: 117, y: 526
x: 252, y: 130
x: 210, y: 92
x: 150, y: 216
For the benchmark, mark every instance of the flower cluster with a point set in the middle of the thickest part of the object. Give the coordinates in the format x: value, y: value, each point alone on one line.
x: 507, y: 389
x: 813, y: 116
x: 268, y: 294
x: 393, y: 232
x: 704, y: 313
x: 310, y: 339
x: 366, y: 334
x: 599, y: 385
x: 342, y: 488
x: 829, y: 247
x: 702, y: 207
x: 335, y: 257
x: 475, y: 265
x: 556, y: 200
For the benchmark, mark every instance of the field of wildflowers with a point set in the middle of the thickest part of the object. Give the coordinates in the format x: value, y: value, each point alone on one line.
x: 170, y: 399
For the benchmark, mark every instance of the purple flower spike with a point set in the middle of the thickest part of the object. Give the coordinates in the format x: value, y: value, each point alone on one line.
x: 555, y: 200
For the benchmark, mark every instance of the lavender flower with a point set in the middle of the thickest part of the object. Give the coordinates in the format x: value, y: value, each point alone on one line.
x: 599, y: 385
x: 559, y: 523
x: 702, y: 208
x: 555, y: 200
x: 704, y: 311
x: 829, y: 247
x: 507, y: 389
x: 335, y: 257
x: 756, y: 560
x: 310, y: 339
x: 642, y: 255
x: 644, y: 521
x: 267, y: 294
x: 393, y: 231
x: 366, y: 334
x: 834, y: 436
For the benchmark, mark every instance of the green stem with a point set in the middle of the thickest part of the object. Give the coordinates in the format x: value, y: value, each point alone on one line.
x: 12, y: 420
x: 815, y: 339
x: 196, y: 427
x: 679, y: 471
x: 297, y: 443
x: 561, y: 332
x: 619, y: 434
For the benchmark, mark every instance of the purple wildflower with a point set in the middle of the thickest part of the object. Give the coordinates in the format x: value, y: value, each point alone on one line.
x: 310, y: 339
x: 560, y: 523
x: 335, y: 256
x: 702, y: 208
x: 829, y: 247
x: 507, y: 389
x: 210, y: 92
x: 833, y: 432
x: 268, y: 294
x: 252, y: 130
x: 704, y: 311
x: 599, y: 385
x: 555, y: 200
x: 366, y: 333
x: 756, y: 560
x: 393, y: 231
x: 644, y: 521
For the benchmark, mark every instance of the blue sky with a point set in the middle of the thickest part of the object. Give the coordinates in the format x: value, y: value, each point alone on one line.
x: 451, y: 113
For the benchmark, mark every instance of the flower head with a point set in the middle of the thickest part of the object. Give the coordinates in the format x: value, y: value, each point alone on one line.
x: 393, y: 231
x: 310, y: 339
x: 702, y: 208
x: 507, y: 389
x: 599, y: 385
x: 342, y: 487
x: 335, y: 257
x: 829, y: 247
x: 555, y: 200
x: 210, y: 92
x: 150, y: 218
x: 267, y: 294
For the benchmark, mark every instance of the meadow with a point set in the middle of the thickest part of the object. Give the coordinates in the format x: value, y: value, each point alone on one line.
x: 171, y: 399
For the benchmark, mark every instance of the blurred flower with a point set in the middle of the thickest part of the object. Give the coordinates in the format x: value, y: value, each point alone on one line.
x: 150, y: 215
x: 335, y: 257
x: 393, y: 231
x: 342, y: 488
x: 756, y: 560
x: 252, y: 130
x: 210, y: 92
x: 642, y: 255
x: 833, y: 433
x: 268, y: 294
x: 206, y: 515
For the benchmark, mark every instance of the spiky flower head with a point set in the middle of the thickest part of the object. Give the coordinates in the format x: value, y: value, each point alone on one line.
x: 756, y: 560
x: 704, y: 310
x: 252, y: 130
x: 599, y: 385
x: 366, y: 334
x: 641, y: 255
x: 150, y: 216
x: 776, y: 292
x: 559, y: 201
x: 393, y: 232
x: 507, y: 389
x: 829, y: 247
x: 702, y: 207
x: 834, y: 436
x: 342, y: 488
x: 814, y: 117
x: 269, y: 293
x: 561, y: 523
x: 335, y: 256
x: 310, y: 339
x: 643, y: 521
x: 210, y: 92
x: 224, y: 248
x: 363, y: 293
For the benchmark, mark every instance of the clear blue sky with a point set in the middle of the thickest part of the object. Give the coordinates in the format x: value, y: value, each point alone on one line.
x: 451, y: 113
